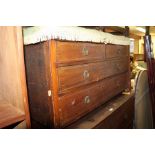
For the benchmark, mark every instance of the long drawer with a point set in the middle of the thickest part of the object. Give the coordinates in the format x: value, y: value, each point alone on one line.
x: 72, y: 52
x: 75, y: 76
x: 75, y: 105
x: 115, y: 51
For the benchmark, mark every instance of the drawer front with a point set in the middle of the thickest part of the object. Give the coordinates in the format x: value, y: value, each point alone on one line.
x: 75, y: 76
x: 114, y: 51
x: 75, y: 105
x: 70, y: 51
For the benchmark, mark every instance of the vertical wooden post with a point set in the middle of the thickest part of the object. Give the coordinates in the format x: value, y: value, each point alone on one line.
x: 150, y: 70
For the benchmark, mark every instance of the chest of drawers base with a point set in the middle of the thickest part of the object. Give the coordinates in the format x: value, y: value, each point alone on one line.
x: 66, y: 80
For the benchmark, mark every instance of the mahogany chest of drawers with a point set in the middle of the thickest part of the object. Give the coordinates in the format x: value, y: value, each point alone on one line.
x: 66, y: 80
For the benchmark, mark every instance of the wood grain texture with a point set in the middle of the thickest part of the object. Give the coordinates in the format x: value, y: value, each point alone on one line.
x: 63, y: 67
x: 21, y: 64
x: 71, y: 52
x: 79, y: 75
x: 74, y: 105
x: 9, y: 114
x: 54, y: 84
x: 37, y: 58
x: 118, y: 113
x: 12, y: 80
x: 116, y: 51
x: 10, y: 90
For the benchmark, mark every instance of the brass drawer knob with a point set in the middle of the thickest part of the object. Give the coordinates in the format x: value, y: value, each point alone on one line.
x: 85, y: 74
x: 87, y: 100
x: 85, y: 51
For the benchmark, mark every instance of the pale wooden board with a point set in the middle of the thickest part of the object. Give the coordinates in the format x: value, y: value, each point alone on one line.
x: 10, y: 115
x: 12, y: 70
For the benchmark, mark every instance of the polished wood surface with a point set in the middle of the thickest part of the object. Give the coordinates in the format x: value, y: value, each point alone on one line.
x: 118, y: 113
x: 13, y: 88
x: 9, y: 114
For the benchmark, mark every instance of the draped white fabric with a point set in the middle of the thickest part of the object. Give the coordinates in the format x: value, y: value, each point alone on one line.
x: 143, y: 110
x: 37, y: 34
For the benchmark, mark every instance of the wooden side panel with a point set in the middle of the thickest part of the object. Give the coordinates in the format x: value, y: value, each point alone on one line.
x: 37, y: 58
x: 12, y: 72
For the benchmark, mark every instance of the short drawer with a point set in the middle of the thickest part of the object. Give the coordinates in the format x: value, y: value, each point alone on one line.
x: 75, y: 76
x: 115, y: 51
x: 70, y: 51
x: 77, y: 104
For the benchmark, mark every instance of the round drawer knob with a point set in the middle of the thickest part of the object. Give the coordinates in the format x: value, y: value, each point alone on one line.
x: 85, y: 51
x: 87, y: 100
x: 86, y: 74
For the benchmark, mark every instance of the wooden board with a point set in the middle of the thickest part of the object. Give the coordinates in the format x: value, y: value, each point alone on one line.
x: 13, y: 88
x: 10, y: 115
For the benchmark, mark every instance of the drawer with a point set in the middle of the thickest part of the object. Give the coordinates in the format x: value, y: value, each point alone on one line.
x: 75, y: 76
x: 77, y: 104
x: 71, y: 51
x: 114, y: 51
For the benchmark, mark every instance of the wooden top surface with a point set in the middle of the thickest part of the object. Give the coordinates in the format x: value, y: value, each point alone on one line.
x: 9, y: 115
x: 101, y: 113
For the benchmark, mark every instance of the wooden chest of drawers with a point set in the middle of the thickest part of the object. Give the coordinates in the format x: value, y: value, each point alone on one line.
x: 66, y: 80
